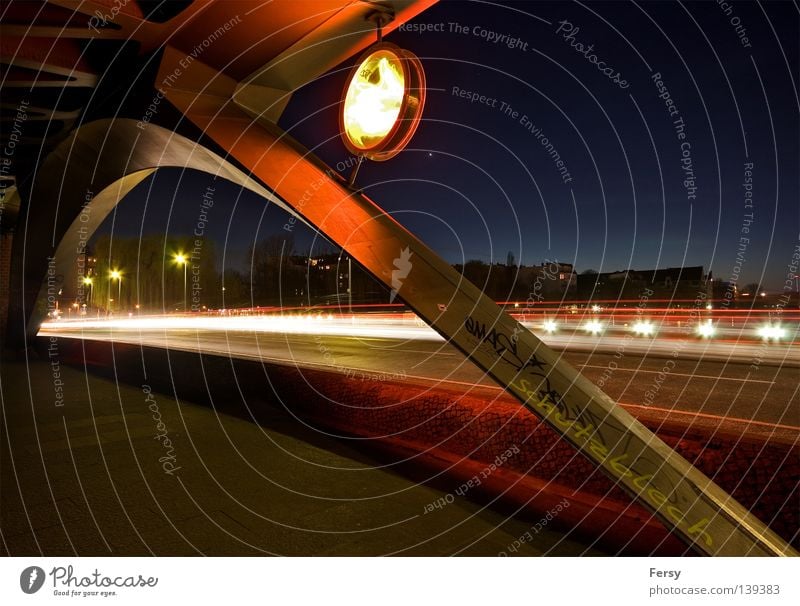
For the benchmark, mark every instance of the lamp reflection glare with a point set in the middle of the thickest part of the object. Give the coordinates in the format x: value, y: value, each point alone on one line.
x: 373, y: 99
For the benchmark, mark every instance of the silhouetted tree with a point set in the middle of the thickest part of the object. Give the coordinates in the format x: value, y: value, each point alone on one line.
x: 752, y: 289
x: 151, y: 278
x: 275, y: 278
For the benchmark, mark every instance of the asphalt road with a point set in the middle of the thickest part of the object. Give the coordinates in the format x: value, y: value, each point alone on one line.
x: 752, y: 382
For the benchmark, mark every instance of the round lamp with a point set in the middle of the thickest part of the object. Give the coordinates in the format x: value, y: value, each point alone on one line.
x: 382, y: 102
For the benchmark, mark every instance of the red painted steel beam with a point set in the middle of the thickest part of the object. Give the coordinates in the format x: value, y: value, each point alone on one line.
x: 687, y: 501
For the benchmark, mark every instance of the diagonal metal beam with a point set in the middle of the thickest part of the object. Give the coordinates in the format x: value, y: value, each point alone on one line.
x: 687, y: 501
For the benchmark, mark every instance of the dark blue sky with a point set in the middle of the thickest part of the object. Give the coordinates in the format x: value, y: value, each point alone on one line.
x: 475, y: 182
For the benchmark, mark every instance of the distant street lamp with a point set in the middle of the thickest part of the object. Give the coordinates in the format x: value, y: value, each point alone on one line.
x: 181, y: 259
x: 87, y: 281
x: 116, y: 275
x: 350, y: 282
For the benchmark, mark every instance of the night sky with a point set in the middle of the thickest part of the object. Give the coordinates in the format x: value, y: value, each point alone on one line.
x: 478, y: 182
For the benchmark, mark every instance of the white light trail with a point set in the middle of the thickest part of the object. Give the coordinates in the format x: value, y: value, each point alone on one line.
x: 376, y: 325
x: 550, y: 326
x: 772, y: 331
x: 594, y: 327
x: 309, y: 324
x: 644, y: 328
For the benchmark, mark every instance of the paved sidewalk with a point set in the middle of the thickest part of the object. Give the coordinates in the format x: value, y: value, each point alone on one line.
x: 99, y: 476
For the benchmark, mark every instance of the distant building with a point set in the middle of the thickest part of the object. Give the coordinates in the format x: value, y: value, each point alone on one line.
x: 680, y: 285
x: 723, y: 294
x: 328, y: 280
x: 773, y: 301
x: 530, y: 284
x: 552, y: 282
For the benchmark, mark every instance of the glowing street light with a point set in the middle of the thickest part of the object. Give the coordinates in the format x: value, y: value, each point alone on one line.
x: 87, y: 281
x: 706, y: 329
x: 181, y: 259
x: 382, y: 102
x: 373, y: 99
x: 116, y: 274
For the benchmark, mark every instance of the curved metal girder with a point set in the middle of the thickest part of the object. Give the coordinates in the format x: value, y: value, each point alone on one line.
x: 76, y: 188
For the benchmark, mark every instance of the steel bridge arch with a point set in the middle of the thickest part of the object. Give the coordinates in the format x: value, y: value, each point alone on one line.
x: 78, y: 186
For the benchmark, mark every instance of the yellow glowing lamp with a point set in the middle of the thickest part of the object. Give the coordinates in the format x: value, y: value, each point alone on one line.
x: 382, y: 102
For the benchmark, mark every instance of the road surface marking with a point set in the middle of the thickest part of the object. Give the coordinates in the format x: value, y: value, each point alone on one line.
x: 679, y: 374
x: 715, y: 417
